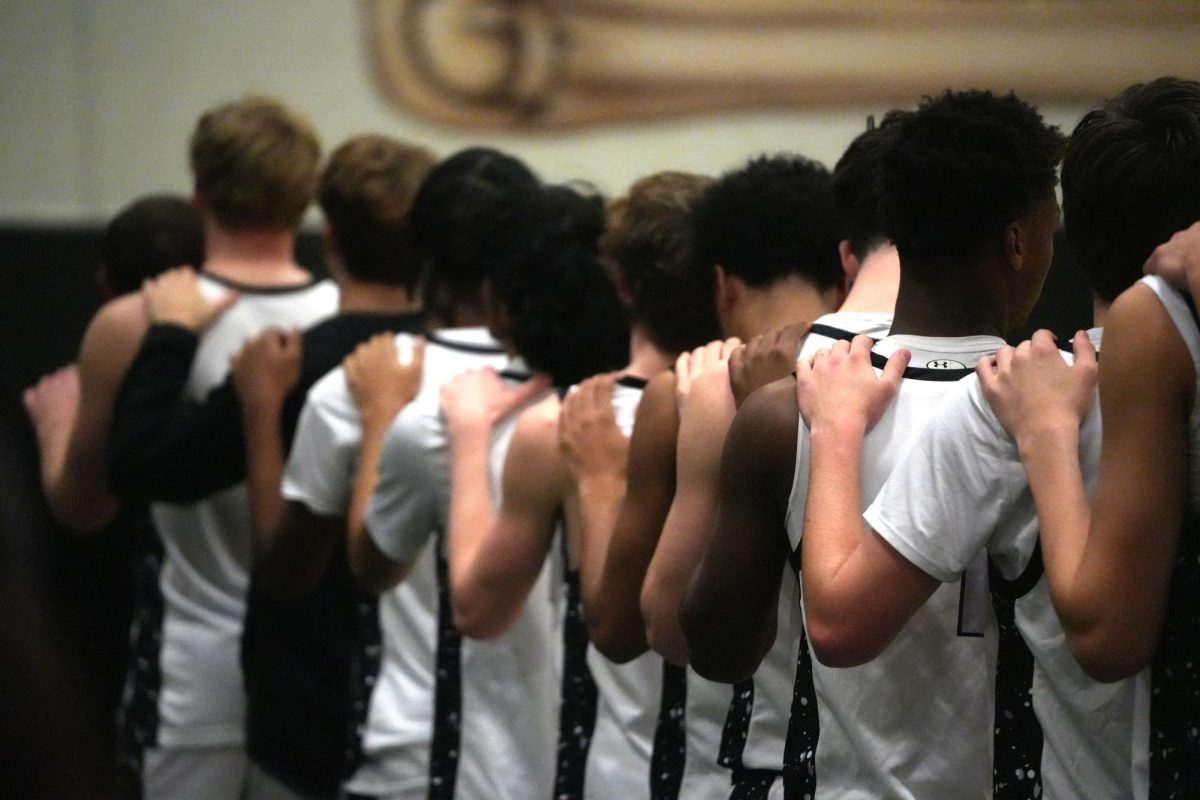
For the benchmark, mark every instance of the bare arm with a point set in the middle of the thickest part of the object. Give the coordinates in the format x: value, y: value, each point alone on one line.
x: 858, y: 591
x: 381, y: 386
x: 614, y: 613
x: 495, y: 557
x: 705, y: 420
x: 595, y: 453
x: 1124, y: 546
x: 729, y: 612
x: 373, y: 569
x: 72, y: 419
x: 493, y: 568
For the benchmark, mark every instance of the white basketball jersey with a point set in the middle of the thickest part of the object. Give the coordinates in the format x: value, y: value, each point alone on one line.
x: 899, y: 726
x: 767, y: 720
x: 206, y: 545
x: 496, y: 734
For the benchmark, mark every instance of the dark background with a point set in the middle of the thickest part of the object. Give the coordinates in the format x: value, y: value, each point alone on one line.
x: 65, y: 600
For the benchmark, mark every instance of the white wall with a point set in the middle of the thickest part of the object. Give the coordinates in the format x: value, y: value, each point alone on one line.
x: 99, y: 96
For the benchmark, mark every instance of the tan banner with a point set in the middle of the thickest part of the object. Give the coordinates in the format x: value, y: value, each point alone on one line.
x: 537, y: 64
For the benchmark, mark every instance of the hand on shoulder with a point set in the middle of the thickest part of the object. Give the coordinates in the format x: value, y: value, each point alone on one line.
x: 174, y: 298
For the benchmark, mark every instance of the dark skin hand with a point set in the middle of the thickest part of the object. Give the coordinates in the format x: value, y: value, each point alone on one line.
x: 766, y: 358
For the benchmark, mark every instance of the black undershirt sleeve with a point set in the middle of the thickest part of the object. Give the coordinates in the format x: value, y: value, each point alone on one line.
x: 163, y: 446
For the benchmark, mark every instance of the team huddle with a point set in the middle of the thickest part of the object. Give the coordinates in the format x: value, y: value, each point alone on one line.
x: 724, y: 488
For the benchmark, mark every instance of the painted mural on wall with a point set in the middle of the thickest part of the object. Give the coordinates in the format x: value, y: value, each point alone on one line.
x: 543, y: 64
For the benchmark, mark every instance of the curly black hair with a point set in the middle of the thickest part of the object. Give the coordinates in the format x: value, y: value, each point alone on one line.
x: 773, y: 218
x: 961, y: 169
x: 648, y: 244
x: 1131, y: 178
x: 856, y: 178
x: 565, y: 317
x: 452, y: 214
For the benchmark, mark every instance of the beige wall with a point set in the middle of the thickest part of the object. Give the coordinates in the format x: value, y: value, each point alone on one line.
x: 98, y: 98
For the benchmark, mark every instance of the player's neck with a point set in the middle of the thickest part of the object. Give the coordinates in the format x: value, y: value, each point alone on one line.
x: 876, y: 284
x: 646, y: 358
x: 355, y: 296
x: 782, y: 303
x: 947, y: 307
x: 257, y: 257
x: 463, y: 314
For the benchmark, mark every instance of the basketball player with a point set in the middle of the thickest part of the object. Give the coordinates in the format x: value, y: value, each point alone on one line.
x: 255, y: 163
x: 1120, y: 562
x: 764, y: 716
x: 494, y: 557
x: 70, y: 409
x: 389, y: 731
x: 968, y: 199
x: 546, y: 292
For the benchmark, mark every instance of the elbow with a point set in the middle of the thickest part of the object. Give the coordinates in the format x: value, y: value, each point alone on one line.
x: 665, y: 645
x: 662, y: 637
x: 615, y: 627
x: 480, y: 611
x: 712, y: 654
x: 720, y: 663
x: 78, y: 516
x: 371, y: 574
x: 477, y: 619
x: 617, y: 645
x: 839, y: 645
x: 1106, y: 660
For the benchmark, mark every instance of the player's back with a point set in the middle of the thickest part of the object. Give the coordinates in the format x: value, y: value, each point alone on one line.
x: 896, y: 726
x: 207, y: 546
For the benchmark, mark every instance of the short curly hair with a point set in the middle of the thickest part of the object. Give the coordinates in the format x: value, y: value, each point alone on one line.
x: 856, y: 179
x: 1131, y: 178
x: 255, y: 162
x: 366, y: 192
x: 773, y: 218
x: 648, y: 245
x: 565, y: 317
x: 961, y: 169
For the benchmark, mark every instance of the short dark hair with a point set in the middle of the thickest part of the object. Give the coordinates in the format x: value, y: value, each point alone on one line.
x: 1131, y: 178
x: 255, y: 162
x: 771, y: 219
x: 148, y: 236
x: 366, y: 192
x: 452, y: 216
x: 565, y: 318
x: 648, y: 243
x: 856, y: 178
x: 961, y: 169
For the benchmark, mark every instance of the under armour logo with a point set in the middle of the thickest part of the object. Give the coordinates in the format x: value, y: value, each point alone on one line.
x: 942, y: 363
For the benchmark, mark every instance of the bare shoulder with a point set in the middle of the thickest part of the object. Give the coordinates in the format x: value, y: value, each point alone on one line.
x: 765, y: 429
x: 1139, y: 331
x: 772, y: 409
x: 537, y: 428
x: 115, y: 331
x: 534, y: 456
